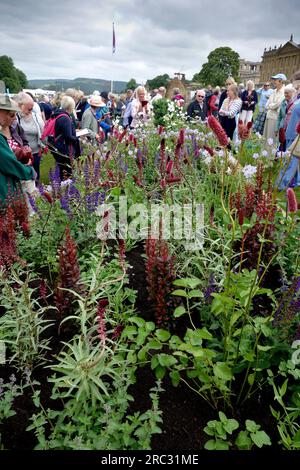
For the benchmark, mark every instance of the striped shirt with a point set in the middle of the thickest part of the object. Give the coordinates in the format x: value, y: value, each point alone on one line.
x: 231, y: 108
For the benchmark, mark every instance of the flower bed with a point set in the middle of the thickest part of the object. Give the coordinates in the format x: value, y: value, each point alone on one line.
x: 152, y: 300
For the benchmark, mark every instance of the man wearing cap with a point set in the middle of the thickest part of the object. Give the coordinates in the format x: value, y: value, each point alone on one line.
x: 273, y: 106
x: 11, y: 170
x: 265, y: 92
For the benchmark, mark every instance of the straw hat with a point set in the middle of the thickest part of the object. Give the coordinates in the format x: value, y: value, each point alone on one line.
x: 96, y: 101
x: 7, y: 104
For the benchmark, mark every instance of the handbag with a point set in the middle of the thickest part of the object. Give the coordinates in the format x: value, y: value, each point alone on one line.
x: 294, y: 148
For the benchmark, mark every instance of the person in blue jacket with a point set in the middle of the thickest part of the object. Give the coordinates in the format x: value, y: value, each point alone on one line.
x: 66, y: 143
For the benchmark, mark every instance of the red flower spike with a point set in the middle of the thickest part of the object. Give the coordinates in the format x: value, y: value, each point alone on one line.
x: 218, y: 131
x: 48, y: 197
x: 69, y: 275
x: 180, y: 140
x: 281, y: 135
x: 298, y: 128
x: 102, y: 304
x: 291, y: 200
x: 209, y: 150
x: 122, y: 256
x: 43, y: 290
x: 169, y: 166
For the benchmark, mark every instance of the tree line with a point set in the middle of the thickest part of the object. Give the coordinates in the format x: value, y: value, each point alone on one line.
x: 15, y: 80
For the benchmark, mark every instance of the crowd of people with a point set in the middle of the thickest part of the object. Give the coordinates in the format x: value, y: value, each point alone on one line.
x: 25, y: 121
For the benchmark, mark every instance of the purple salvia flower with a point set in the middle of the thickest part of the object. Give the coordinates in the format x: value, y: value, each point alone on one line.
x: 86, y: 171
x: 32, y: 203
x: 64, y: 202
x: 41, y: 189
x: 89, y: 203
x: 74, y: 193
x: 96, y: 171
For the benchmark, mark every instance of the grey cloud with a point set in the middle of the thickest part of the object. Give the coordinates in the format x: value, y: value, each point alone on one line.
x: 67, y: 39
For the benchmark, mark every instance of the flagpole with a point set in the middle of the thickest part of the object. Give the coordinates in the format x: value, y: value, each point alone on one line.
x: 113, y: 51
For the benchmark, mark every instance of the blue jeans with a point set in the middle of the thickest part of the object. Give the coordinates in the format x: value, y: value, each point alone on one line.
x: 36, y: 165
x: 286, y: 175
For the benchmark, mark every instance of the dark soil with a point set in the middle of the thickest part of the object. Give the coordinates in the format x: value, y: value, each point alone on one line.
x: 185, y: 414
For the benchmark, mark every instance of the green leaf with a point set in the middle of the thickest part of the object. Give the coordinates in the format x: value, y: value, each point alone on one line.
x: 129, y: 331
x: 160, y: 372
x: 220, y: 445
x: 264, y: 348
x: 187, y: 282
x: 195, y: 293
x: 154, y: 362
x: 222, y: 371
x: 179, y: 311
x: 251, y: 378
x: 175, y: 378
x: 165, y: 360
x: 162, y: 335
x: 231, y: 425
x: 283, y: 388
x: 210, y: 445
x: 251, y: 426
x: 180, y: 293
x: 142, y: 354
x: 154, y: 344
x: 243, y: 441
x: 138, y: 321
x: 260, y: 438
x: 150, y: 326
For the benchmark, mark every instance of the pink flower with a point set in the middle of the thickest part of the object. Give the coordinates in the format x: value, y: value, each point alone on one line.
x: 48, y: 197
x: 291, y: 200
x: 181, y: 137
x: 102, y: 304
x: 218, y: 131
x: 169, y: 166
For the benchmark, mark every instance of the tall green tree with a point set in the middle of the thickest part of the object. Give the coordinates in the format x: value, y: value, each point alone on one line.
x: 14, y: 78
x: 221, y: 63
x: 22, y: 78
x: 131, y: 84
x: 160, y: 80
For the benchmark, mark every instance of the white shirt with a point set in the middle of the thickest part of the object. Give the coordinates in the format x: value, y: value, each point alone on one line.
x: 274, y: 103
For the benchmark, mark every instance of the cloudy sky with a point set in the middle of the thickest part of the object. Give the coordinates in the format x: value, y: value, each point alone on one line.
x: 73, y: 38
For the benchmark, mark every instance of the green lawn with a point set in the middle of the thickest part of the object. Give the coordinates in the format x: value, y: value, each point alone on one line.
x: 47, y: 163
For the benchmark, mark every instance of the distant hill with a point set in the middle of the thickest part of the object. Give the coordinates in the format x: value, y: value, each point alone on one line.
x: 87, y: 85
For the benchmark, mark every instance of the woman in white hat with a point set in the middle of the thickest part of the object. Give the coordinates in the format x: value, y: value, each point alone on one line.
x: 273, y: 106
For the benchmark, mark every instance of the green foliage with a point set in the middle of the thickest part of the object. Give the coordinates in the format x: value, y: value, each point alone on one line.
x: 23, y: 324
x: 222, y: 62
x: 132, y: 84
x: 223, y: 429
x: 106, y: 426
x: 22, y: 78
x: 156, y: 82
x: 160, y: 109
x: 8, y: 392
x: 14, y: 78
x: 288, y: 416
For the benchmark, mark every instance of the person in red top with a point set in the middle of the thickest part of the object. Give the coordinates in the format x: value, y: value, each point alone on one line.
x: 213, y: 103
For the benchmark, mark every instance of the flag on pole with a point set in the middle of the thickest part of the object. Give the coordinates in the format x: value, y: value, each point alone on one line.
x: 114, y: 40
